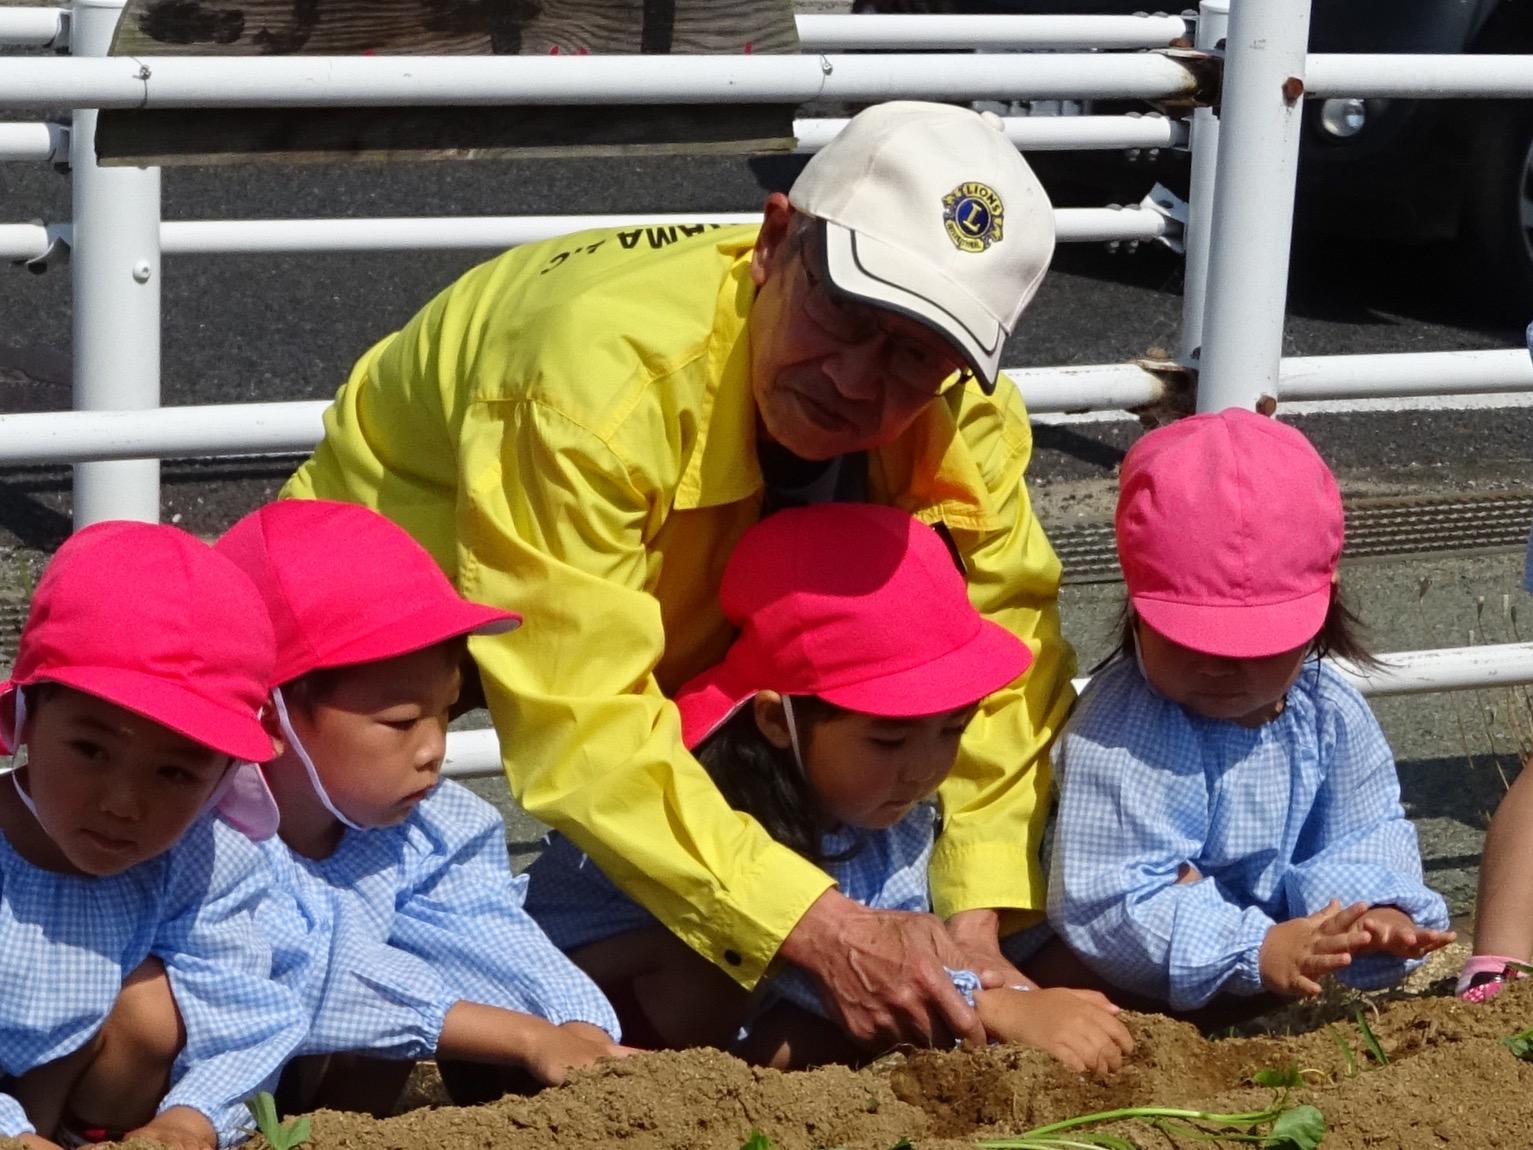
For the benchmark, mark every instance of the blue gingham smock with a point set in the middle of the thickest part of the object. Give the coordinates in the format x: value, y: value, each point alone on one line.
x: 577, y: 904
x: 68, y: 941
x: 1279, y: 820
x: 404, y: 922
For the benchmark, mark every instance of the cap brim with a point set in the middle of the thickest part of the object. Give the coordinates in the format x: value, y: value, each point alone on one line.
x: 235, y: 733
x: 435, y: 623
x: 1238, y: 632
x: 707, y: 701
x: 878, y: 273
x: 965, y: 675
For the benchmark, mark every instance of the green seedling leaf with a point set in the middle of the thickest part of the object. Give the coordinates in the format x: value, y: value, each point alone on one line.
x: 1347, y: 1056
x: 1300, y: 1128
x: 1370, y: 1043
x: 1279, y: 1079
x: 903, y: 1144
x: 1521, y: 1044
x: 279, y: 1135
x: 758, y: 1141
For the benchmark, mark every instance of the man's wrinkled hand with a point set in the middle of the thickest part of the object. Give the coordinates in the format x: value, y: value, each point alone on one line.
x: 882, y: 974
x: 977, y: 933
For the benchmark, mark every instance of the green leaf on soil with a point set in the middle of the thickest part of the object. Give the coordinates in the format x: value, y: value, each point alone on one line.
x: 758, y: 1141
x: 1300, y: 1128
x: 1347, y: 1056
x: 1521, y: 1044
x: 903, y: 1144
x: 1370, y: 1043
x: 1279, y: 1079
x: 279, y: 1135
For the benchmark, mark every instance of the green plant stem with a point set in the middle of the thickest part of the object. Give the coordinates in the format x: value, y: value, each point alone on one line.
x: 1247, y: 1118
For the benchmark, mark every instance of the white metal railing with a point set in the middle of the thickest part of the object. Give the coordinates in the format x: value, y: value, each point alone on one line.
x: 1235, y: 229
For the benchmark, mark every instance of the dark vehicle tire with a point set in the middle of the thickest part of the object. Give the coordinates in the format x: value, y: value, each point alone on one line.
x: 1497, y: 230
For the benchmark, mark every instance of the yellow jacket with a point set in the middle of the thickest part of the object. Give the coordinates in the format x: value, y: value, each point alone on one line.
x: 569, y: 429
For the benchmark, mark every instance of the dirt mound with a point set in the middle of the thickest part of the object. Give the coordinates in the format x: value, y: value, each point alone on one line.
x: 1443, y: 1078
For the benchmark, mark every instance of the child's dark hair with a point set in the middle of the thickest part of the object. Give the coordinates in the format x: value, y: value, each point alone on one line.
x: 762, y: 779
x: 1341, y: 635
x: 315, y: 687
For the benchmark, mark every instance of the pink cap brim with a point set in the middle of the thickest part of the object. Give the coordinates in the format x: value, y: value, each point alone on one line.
x: 234, y: 733
x: 435, y: 623
x: 1238, y: 632
x: 986, y: 663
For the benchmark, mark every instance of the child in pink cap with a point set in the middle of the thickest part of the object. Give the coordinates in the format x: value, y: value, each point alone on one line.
x: 831, y: 721
x: 135, y: 988
x: 1229, y: 816
x: 401, y: 881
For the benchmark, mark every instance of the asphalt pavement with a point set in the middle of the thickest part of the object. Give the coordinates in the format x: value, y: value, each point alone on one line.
x: 242, y: 329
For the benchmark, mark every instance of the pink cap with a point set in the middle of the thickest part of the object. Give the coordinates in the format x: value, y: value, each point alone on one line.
x: 154, y: 621
x: 1229, y: 531
x: 859, y: 604
x: 344, y: 585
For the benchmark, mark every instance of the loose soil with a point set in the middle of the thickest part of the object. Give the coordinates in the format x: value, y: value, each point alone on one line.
x: 1449, y: 1081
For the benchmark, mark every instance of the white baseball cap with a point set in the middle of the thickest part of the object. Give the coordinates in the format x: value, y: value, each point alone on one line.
x: 931, y: 211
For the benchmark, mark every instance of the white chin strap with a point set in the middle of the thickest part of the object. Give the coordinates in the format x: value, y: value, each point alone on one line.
x: 298, y: 748
x: 787, y: 714
x: 19, y: 755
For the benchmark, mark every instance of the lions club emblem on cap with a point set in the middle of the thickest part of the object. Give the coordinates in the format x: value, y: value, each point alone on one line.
x: 972, y: 214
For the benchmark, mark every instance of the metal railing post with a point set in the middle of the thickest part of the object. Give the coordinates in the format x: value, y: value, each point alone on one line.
x: 1203, y: 146
x: 115, y: 270
x: 1250, y: 232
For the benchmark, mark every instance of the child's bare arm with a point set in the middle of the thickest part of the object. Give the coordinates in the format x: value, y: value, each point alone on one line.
x: 475, y: 1032
x: 1296, y: 953
x: 1078, y: 1027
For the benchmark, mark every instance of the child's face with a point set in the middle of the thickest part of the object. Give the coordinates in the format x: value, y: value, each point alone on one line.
x: 1245, y: 691
x: 869, y: 772
x: 378, y: 736
x: 112, y: 789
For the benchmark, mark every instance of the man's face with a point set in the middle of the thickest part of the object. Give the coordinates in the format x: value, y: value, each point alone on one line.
x: 829, y: 375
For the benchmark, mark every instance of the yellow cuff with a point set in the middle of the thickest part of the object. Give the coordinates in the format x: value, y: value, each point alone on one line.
x: 741, y: 932
x: 995, y: 876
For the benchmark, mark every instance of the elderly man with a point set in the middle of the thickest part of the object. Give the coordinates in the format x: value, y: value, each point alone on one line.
x: 581, y: 429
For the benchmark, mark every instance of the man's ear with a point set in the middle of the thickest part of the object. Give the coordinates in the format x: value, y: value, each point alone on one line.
x: 771, y: 719
x: 776, y: 217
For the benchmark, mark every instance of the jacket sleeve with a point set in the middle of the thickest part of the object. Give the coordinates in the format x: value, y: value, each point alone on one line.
x: 1128, y: 820
x: 241, y: 1025
x: 1357, y: 845
x: 463, y: 912
x: 997, y: 797
x: 551, y: 523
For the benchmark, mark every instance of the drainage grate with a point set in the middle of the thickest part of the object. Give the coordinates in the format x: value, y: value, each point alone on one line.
x: 1392, y: 526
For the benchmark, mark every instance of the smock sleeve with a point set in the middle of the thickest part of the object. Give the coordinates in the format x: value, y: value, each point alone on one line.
x: 1357, y: 845
x: 241, y: 1025
x: 13, y: 1119
x: 462, y: 910
x: 1133, y: 809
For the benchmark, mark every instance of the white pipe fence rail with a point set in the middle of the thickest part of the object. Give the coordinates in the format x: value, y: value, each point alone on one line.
x: 1235, y: 228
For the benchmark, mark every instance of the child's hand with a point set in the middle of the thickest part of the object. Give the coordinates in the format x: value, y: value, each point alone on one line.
x: 1078, y: 1027
x: 560, y: 1049
x: 1392, y: 931
x: 1298, y: 952
x: 180, y: 1128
